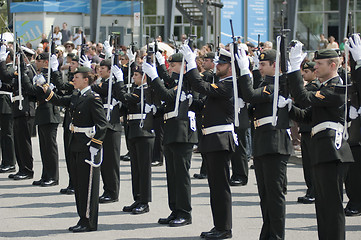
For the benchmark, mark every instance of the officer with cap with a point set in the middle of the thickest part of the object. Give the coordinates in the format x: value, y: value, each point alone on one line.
x: 218, y: 138
x: 88, y: 127
x: 271, y: 146
x: 313, y: 84
x: 330, y: 150
x: 179, y: 137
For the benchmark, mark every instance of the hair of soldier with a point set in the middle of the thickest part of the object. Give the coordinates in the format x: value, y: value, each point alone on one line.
x: 11, y: 52
x: 90, y: 76
x: 335, y: 60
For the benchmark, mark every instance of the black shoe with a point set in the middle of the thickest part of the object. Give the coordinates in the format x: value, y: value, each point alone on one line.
x: 49, y: 183
x: 200, y: 176
x: 156, y: 164
x: 39, y: 182
x: 68, y: 190
x: 352, y: 212
x: 7, y: 169
x: 80, y: 228
x: 11, y: 176
x: 125, y: 158
x: 203, y: 234
x: 131, y: 207
x: 171, y: 217
x: 306, y: 199
x: 178, y: 222
x: 23, y: 176
x: 141, y: 208
x: 107, y: 199
x: 219, y: 234
x: 237, y: 182
x: 71, y: 228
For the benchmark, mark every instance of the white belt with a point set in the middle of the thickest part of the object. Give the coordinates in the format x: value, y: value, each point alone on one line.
x: 7, y: 93
x: 106, y: 106
x: 262, y: 121
x: 338, y: 127
x: 169, y: 115
x: 89, y: 131
x: 136, y: 116
x: 17, y: 98
x: 129, y: 85
x: 219, y: 128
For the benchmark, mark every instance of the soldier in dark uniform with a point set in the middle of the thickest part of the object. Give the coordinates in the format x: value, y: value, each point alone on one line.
x: 218, y: 138
x: 111, y: 154
x: 88, y: 126
x: 271, y: 147
x: 47, y: 117
x: 6, y: 119
x: 140, y: 138
x: 21, y: 117
x: 309, y: 75
x: 179, y: 137
x: 330, y: 150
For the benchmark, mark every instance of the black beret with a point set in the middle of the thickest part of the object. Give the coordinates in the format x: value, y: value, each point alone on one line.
x: 309, y: 65
x: 176, y: 57
x: 83, y: 70
x: 106, y: 62
x: 268, y: 55
x: 75, y: 58
x: 138, y: 68
x: 209, y: 55
x: 326, y: 53
x: 43, y: 56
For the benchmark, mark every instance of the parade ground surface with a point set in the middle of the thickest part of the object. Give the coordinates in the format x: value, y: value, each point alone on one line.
x: 31, y: 212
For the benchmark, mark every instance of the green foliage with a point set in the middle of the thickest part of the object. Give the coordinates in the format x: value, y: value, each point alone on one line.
x: 4, y: 16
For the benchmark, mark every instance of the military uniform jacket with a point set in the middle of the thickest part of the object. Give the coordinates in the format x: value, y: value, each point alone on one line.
x: 267, y: 138
x: 5, y: 100
x: 115, y: 114
x: 314, y: 85
x: 11, y: 84
x: 86, y: 110
x: 177, y: 129
x: 218, y: 109
x: 132, y: 102
x: 327, y: 104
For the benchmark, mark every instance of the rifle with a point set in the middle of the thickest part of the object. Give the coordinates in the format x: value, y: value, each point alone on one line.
x: 83, y: 46
x: 132, y: 49
x: 235, y: 73
x: 215, y: 56
x: 50, y: 52
x: 1, y: 37
x: 110, y: 84
x: 14, y: 58
x: 175, y: 43
x: 19, y: 70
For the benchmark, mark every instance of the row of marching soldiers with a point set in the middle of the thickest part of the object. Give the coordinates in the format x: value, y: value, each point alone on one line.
x: 91, y: 134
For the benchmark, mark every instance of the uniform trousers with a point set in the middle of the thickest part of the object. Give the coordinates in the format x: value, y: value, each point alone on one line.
x: 66, y: 140
x: 270, y: 172
x: 80, y: 172
x: 353, y: 180
x: 328, y: 182
x: 239, y: 159
x: 178, y: 160
x: 158, y: 124
x: 306, y: 162
x: 111, y: 163
x: 7, y: 140
x: 141, y: 152
x: 220, y: 193
x: 49, y: 151
x: 22, y: 140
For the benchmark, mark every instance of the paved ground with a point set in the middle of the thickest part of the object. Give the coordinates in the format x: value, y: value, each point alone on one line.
x: 29, y: 212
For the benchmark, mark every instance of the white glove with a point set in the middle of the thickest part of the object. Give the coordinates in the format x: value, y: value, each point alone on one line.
x: 149, y: 108
x: 243, y: 62
x: 39, y: 80
x: 282, y: 102
x: 160, y: 58
x: 51, y: 86
x: 131, y: 56
x: 354, y: 46
x: 107, y: 49
x: 359, y: 111
x: 255, y: 58
x: 150, y: 70
x: 93, y: 152
x: 118, y: 73
x: 85, y: 61
x: 54, y: 64
x: 296, y: 57
x: 353, y: 114
x: 189, y: 56
x: 241, y: 103
x: 190, y: 99
x: 183, y: 96
x: 3, y: 53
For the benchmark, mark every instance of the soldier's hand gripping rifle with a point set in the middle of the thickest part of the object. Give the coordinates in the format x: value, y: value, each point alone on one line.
x: 216, y: 55
x: 235, y: 73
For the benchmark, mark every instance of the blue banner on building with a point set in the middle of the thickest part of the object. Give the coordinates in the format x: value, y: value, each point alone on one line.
x: 257, y: 19
x: 29, y: 31
x: 232, y: 10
